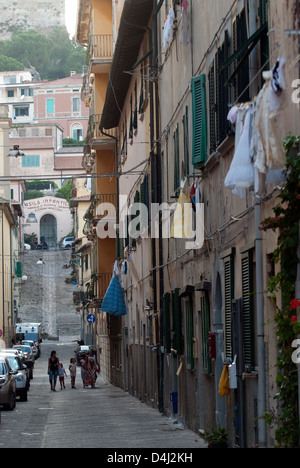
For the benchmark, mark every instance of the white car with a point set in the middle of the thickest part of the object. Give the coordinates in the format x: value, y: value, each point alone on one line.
x: 67, y: 242
x: 20, y: 376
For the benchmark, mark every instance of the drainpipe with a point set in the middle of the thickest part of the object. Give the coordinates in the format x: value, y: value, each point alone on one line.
x: 157, y: 198
x: 3, y: 279
x: 259, y: 264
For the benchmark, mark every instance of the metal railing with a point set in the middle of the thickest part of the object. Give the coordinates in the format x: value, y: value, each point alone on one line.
x: 102, y: 285
x: 100, y: 46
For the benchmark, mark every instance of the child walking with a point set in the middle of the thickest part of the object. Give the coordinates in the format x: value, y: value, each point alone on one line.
x: 62, y: 374
x: 72, y: 369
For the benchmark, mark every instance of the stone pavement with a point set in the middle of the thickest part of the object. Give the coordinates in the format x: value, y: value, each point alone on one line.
x: 105, y: 417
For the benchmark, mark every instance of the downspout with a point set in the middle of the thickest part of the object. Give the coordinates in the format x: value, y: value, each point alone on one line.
x: 3, y: 279
x: 261, y: 400
x: 156, y: 198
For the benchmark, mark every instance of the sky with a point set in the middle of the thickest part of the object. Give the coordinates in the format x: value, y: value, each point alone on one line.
x: 71, y: 16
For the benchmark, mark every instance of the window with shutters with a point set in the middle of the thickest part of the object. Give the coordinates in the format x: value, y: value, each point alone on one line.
x: 248, y: 310
x: 185, y: 125
x: 177, y: 336
x: 229, y: 296
x: 189, y: 332
x: 205, y: 328
x: 219, y: 97
x: 31, y: 160
x: 199, y: 120
x: 167, y: 323
x: 176, y: 159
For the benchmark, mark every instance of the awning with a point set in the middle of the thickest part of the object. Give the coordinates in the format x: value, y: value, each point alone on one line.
x: 133, y: 26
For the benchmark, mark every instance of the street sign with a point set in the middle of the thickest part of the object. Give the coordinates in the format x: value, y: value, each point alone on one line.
x: 1, y: 333
x: 91, y: 318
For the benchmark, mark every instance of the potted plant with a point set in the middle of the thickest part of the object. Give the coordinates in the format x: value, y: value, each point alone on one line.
x: 216, y: 438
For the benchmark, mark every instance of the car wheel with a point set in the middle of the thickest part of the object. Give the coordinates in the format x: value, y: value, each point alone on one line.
x: 12, y: 402
x: 23, y: 397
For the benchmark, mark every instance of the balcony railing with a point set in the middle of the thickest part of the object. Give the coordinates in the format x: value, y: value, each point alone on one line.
x: 102, y: 284
x: 100, y: 47
x: 108, y: 210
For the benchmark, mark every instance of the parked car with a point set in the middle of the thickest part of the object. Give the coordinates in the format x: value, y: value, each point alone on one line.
x: 34, y: 347
x: 7, y: 385
x: 83, y: 349
x: 67, y: 242
x: 23, y: 359
x: 29, y: 357
x: 15, y: 364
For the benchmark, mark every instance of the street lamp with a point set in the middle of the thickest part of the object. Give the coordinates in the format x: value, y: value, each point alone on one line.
x: 40, y: 262
x: 16, y: 152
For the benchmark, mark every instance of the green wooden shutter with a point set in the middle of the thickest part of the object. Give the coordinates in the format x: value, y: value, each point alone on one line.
x: 205, y: 325
x: 18, y: 269
x: 248, y: 310
x: 199, y: 120
x: 229, y: 295
x: 167, y: 337
x: 189, y: 326
x: 176, y: 159
x: 176, y: 322
x: 185, y: 123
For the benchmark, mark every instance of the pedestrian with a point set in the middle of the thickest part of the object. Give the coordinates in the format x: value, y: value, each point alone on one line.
x: 53, y: 367
x: 83, y: 365
x: 92, y: 369
x: 62, y: 373
x: 72, y: 369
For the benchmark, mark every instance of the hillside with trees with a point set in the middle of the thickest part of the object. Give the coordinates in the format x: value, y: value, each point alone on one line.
x: 53, y: 56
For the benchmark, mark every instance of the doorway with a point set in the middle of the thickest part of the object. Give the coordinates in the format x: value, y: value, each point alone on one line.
x: 48, y: 230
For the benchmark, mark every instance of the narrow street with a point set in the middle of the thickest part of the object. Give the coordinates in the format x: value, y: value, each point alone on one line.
x: 104, y: 417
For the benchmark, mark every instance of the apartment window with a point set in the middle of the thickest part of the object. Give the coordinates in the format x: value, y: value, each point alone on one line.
x: 176, y: 159
x: 75, y: 104
x: 31, y: 160
x: 229, y: 296
x: 167, y: 323
x: 86, y: 262
x: 177, y: 335
x: 12, y: 79
x: 219, y: 96
x: 10, y: 93
x: 77, y: 132
x: 199, y: 120
x: 27, y: 92
x: 35, y: 132
x: 186, y: 150
x: 48, y: 132
x: 248, y: 310
x: 50, y: 106
x: 21, y: 112
x: 205, y: 329
x: 189, y: 332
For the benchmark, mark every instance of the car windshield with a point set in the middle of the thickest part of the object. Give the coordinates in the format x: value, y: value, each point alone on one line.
x: 13, y: 362
x: 3, y: 369
x: 26, y: 349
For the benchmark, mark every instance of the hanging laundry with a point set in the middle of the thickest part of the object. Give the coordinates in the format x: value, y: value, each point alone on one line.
x: 185, y: 30
x: 274, y: 155
x: 182, y: 226
x: 168, y: 28
x: 241, y: 173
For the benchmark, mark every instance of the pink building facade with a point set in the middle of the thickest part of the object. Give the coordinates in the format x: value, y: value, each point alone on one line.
x: 60, y: 102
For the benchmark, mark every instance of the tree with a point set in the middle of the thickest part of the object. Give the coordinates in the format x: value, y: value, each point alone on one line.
x: 53, y: 56
x: 65, y: 191
x: 10, y: 64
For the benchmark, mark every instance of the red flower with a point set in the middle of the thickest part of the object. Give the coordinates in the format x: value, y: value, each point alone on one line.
x: 294, y: 318
x: 295, y: 303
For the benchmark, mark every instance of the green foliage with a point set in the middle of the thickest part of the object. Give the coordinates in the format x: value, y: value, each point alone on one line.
x: 40, y: 184
x: 65, y: 191
x: 32, y: 194
x: 10, y: 64
x: 53, y: 56
x: 71, y: 142
x: 287, y: 328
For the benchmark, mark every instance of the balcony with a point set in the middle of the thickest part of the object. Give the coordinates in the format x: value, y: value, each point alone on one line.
x: 102, y: 284
x: 97, y: 213
x: 100, y: 53
x: 95, y: 139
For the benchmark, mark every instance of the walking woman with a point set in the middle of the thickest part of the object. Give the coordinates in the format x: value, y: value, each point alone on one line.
x: 53, y: 368
x: 92, y: 369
